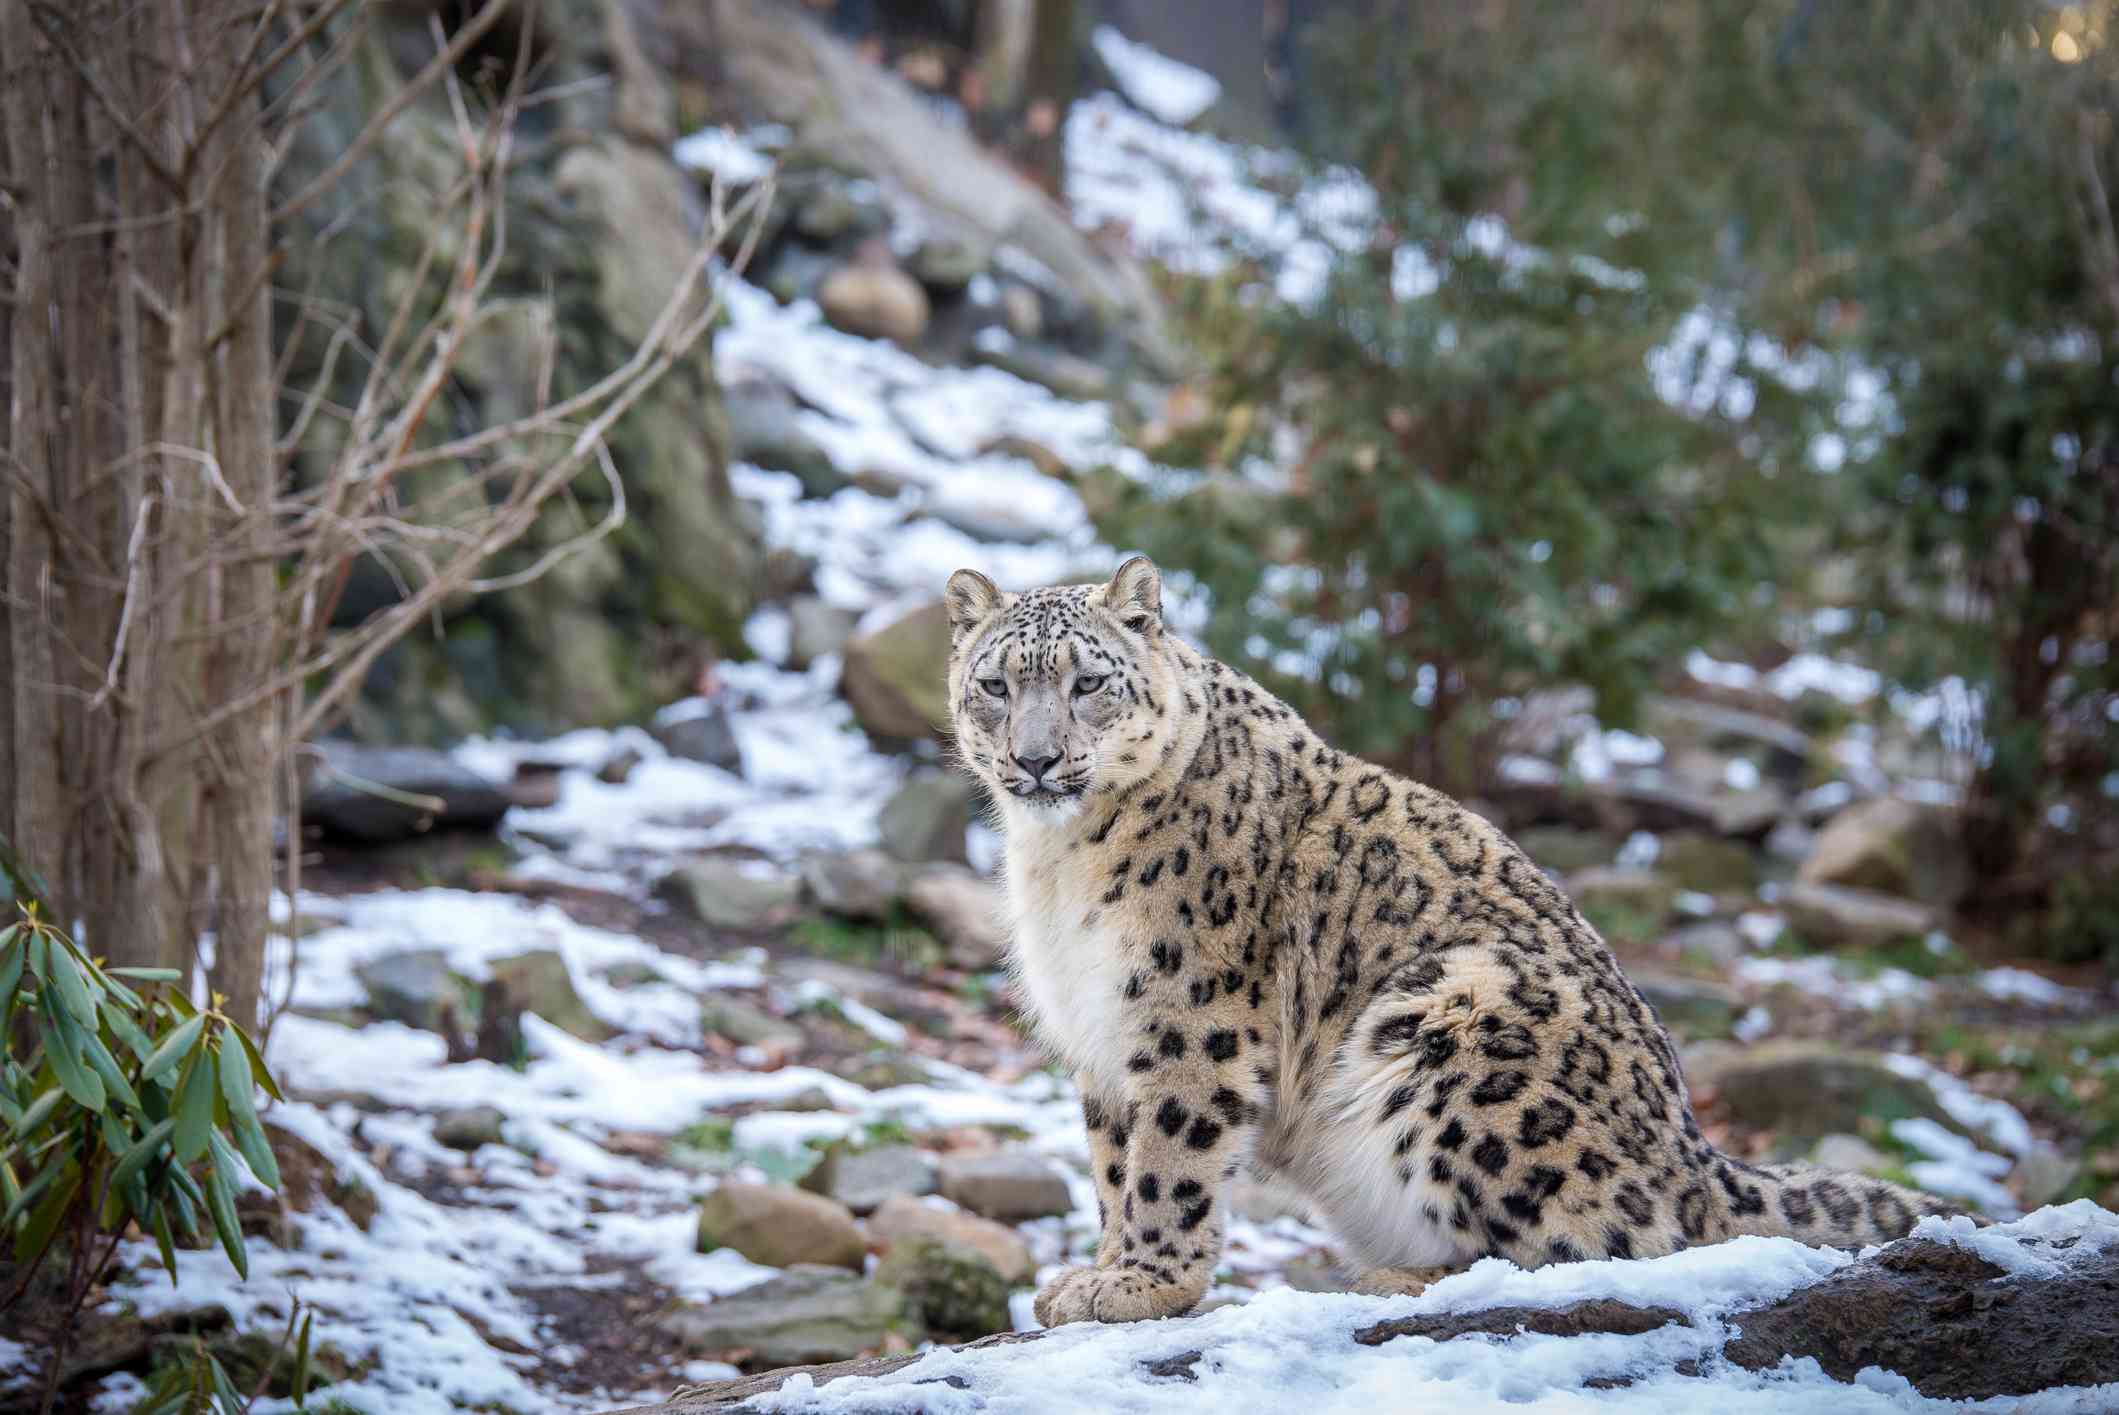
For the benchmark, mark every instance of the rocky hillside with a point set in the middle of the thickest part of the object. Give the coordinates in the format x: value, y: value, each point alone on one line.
x: 675, y: 1048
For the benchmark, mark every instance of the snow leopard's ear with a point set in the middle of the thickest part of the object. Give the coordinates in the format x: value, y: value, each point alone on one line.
x: 969, y: 600
x: 1135, y: 595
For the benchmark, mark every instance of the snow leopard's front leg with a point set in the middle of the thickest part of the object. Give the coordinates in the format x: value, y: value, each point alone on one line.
x: 1107, y: 1120
x: 1193, y: 1102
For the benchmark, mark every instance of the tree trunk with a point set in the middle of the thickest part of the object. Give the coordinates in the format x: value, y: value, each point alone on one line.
x: 142, y: 477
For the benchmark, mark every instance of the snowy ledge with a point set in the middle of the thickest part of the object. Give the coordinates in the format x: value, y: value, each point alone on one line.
x: 2015, y: 1317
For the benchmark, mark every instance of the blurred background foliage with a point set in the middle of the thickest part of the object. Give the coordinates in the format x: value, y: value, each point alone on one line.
x: 1739, y: 325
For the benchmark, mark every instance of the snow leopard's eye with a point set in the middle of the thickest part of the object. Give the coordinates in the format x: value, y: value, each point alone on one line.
x: 995, y: 687
x: 1083, y: 687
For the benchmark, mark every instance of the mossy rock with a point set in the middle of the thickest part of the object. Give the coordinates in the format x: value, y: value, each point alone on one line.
x: 954, y: 1291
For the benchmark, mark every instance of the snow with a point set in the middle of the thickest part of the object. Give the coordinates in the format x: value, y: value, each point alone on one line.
x: 1996, y: 1119
x: 1287, y: 1349
x: 1172, y: 92
x: 1823, y: 976
x: 1954, y: 1165
x: 721, y: 152
x: 2022, y: 985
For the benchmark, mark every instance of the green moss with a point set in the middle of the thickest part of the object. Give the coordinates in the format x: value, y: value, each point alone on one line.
x: 896, y: 940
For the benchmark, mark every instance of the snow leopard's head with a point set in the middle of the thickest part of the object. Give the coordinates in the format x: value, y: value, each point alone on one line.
x: 1058, y: 695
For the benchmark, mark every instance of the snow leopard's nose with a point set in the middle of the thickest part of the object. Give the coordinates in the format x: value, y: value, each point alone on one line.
x: 1036, y: 767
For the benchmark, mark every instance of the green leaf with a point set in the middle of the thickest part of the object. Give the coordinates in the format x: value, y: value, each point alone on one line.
x: 257, y: 1065
x: 37, y: 950
x: 62, y: 1048
x: 26, y: 1194
x: 242, y: 1110
x: 143, y: 1150
x: 301, y: 1360
x: 128, y: 1031
x: 224, y: 1389
x: 39, y: 1111
x: 147, y: 975
x: 30, y: 1242
x: 74, y: 989
x: 194, y: 1108
x: 106, y: 1066
x: 11, y: 960
x: 220, y: 1203
x: 188, y: 1196
x: 173, y: 1047
x: 166, y: 1242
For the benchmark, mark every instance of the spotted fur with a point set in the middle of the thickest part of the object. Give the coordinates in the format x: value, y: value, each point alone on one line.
x: 1254, y: 949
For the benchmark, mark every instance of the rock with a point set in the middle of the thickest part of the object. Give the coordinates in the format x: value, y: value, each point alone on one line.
x: 1563, y: 850
x: 728, y: 893
x: 765, y: 431
x: 788, y: 572
x: 1711, y: 941
x: 1691, y: 1008
x: 780, y: 1227
x: 1748, y: 815
x: 1979, y: 1332
x: 1707, y: 863
x: 809, y: 1314
x: 927, y: 817
x: 1263, y: 1201
x: 723, y: 1016
x: 1599, y: 1316
x: 837, y: 101
x: 1065, y: 374
x: 875, y: 301
x: 698, y: 730
x: 947, y: 264
x: 883, y: 1070
x: 834, y: 210
x: 892, y: 996
x: 815, y: 629
x: 2043, y: 1175
x: 903, y: 1216
x: 618, y: 767
x: 991, y: 518
x: 1890, y: 846
x: 952, y: 1291
x: 1785, y: 747
x: 1807, y: 1089
x: 1790, y: 841
x: 340, y: 796
x: 1831, y: 917
x: 413, y: 987
x: 896, y: 677
x: 853, y: 884
x: 863, y: 1180
x: 539, y: 982
x: 468, y: 1127
x: 1608, y: 887
x: 1850, y: 1153
x: 964, y: 910
x: 534, y: 785
x: 1009, y: 1185
x: 1021, y: 314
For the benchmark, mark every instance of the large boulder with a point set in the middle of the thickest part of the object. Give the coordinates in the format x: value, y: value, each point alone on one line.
x: 771, y: 62
x: 815, y: 629
x: 926, y: 818
x: 809, y: 1314
x: 1806, y: 1089
x: 904, y: 1217
x: 377, y: 795
x: 1833, y: 917
x: 964, y: 910
x: 699, y: 730
x: 954, y: 1292
x: 540, y: 982
x: 1008, y: 1185
x: 780, y: 1227
x: 724, y: 892
x: 863, y: 885
x: 1891, y: 846
x: 1784, y: 748
x: 746, y: 1025
x: 414, y: 987
x: 1980, y: 1331
x: 897, y: 676
x: 864, y: 1180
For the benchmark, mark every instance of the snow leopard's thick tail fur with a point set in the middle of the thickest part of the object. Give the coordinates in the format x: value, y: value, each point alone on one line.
x: 1828, y: 1208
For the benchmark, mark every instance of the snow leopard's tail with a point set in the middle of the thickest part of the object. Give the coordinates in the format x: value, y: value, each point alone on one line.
x: 1825, y: 1207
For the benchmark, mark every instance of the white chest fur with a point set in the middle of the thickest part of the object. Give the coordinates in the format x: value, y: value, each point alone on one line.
x: 1072, y: 975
